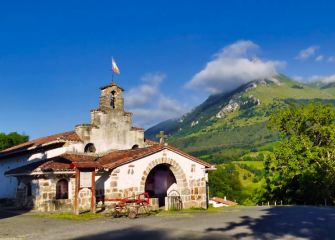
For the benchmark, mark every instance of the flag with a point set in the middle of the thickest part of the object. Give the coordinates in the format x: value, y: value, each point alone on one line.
x: 115, y: 68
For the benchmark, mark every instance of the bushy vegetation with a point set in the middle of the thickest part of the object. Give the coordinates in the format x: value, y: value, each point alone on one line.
x: 225, y: 182
x: 11, y: 139
x: 302, y: 168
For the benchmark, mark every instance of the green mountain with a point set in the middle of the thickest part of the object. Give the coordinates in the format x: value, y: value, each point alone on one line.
x: 232, y: 126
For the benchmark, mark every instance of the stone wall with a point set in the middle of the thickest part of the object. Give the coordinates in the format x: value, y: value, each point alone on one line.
x: 46, y: 200
x: 84, y: 199
x: 197, y: 196
x: 43, y: 195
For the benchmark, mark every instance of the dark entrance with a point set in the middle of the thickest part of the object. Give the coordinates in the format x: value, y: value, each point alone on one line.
x: 158, y: 182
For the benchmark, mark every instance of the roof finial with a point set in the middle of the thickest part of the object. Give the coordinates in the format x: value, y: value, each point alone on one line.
x: 161, y: 137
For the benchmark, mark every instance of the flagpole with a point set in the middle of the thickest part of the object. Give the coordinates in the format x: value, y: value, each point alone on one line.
x: 112, y: 76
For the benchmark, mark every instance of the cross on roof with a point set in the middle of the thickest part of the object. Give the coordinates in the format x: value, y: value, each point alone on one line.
x: 161, y: 137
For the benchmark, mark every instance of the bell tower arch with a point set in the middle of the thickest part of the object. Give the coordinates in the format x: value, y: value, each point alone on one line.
x: 111, y: 98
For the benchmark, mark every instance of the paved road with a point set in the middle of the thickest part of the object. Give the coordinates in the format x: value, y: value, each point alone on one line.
x: 235, y: 223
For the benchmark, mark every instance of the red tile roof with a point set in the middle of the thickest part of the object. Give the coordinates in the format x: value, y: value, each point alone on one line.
x: 137, y: 128
x: 110, y: 160
x: 149, y: 142
x: 66, y: 136
x: 184, y: 154
x: 63, y: 162
x: 120, y: 157
x: 222, y: 200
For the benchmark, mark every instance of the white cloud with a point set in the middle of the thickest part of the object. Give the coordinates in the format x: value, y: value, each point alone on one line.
x: 316, y: 79
x: 144, y: 93
x: 319, y: 58
x: 307, y: 53
x: 322, y: 79
x: 149, y: 105
x: 232, y: 67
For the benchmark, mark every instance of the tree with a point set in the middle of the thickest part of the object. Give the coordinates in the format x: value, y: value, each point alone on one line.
x: 302, y: 168
x: 224, y: 181
x: 11, y: 139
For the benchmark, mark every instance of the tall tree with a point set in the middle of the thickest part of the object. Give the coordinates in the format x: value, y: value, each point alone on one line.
x: 11, y: 139
x: 302, y: 169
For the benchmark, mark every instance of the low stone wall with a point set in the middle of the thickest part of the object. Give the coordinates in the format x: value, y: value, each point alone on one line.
x: 62, y: 205
x: 154, y: 204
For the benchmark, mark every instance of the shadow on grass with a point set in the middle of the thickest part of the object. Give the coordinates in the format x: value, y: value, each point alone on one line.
x: 278, y: 222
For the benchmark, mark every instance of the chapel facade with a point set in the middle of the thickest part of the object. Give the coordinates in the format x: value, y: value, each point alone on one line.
x: 41, y: 174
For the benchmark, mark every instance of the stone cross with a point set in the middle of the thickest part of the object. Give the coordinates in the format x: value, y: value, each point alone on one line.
x: 161, y: 137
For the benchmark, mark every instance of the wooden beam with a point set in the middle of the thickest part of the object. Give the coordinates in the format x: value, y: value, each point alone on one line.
x: 93, y: 198
x: 76, y: 193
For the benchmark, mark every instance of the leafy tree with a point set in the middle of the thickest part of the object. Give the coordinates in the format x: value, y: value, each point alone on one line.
x: 225, y: 182
x: 302, y: 168
x: 11, y: 139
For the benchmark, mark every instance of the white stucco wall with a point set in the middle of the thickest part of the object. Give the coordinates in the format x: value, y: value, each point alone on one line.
x: 113, y: 131
x: 8, y: 184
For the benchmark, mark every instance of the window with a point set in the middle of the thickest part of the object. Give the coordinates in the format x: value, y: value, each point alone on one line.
x: 90, y: 148
x: 62, y: 189
x: 112, y: 96
x: 131, y: 169
x: 135, y: 146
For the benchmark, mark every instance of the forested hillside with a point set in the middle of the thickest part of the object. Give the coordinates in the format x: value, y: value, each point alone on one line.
x: 230, y: 126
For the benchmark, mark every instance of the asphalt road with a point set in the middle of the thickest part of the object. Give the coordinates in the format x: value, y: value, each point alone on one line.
x: 235, y: 223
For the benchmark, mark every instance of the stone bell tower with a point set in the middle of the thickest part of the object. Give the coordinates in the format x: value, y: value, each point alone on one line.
x: 111, y: 98
x: 111, y: 127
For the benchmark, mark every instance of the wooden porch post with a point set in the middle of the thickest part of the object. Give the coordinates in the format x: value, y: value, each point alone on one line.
x: 93, y: 199
x: 76, y: 193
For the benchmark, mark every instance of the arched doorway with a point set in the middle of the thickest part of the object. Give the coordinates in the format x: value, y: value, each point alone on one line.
x: 158, y: 182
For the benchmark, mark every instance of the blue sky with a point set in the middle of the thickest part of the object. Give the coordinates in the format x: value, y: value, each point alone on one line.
x: 54, y: 55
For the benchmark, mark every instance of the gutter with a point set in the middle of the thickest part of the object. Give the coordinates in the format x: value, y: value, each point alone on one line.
x: 4, y: 155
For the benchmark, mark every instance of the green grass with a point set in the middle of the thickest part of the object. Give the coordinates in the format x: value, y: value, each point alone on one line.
x: 92, y: 216
x: 70, y: 216
x: 254, y: 164
x: 190, y: 211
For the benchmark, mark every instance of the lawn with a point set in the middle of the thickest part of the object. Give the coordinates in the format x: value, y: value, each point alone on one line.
x: 70, y: 216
